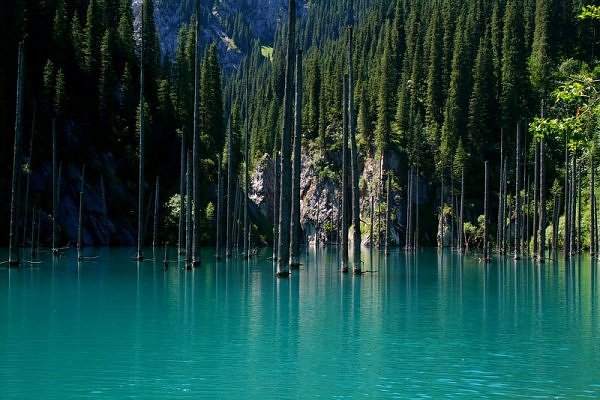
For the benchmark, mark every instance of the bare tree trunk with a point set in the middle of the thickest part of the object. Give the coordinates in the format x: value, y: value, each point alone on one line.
x: 276, y: 194
x: 379, y: 196
x: 246, y: 175
x: 408, y: 202
x: 344, y: 239
x: 33, y: 223
x: 416, y: 198
x: 486, y: 253
x: 286, y: 173
x: 372, y: 232
x: 80, y: 226
x: 573, y: 204
x: 500, y: 191
x: 182, y: 189
x: 13, y: 252
x: 527, y: 203
x: 140, y: 236
x: 104, y: 208
x: 592, y: 207
x: 29, y: 162
x: 555, y: 214
x: 196, y: 143
x: 353, y: 160
x: 296, y: 168
x: 579, y: 242
x: 156, y: 210
x: 462, y: 209
x: 230, y: 183
x: 54, y: 192
x: 219, y: 208
x: 517, y: 254
x: 542, y: 187
x: 567, y: 225
x: 188, y: 212
x: 536, y: 191
x: 504, y: 204
x: 387, y: 216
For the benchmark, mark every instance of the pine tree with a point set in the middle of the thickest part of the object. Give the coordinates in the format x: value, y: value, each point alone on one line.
x: 514, y: 74
x: 540, y: 60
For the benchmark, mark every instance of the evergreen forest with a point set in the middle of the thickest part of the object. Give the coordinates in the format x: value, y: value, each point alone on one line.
x: 476, y: 125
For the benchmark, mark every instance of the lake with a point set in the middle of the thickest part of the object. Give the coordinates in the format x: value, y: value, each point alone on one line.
x: 418, y: 325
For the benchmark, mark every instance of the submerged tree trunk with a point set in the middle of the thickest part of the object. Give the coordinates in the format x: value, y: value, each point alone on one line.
x: 567, y: 224
x: 536, y: 192
x: 286, y: 173
x: 555, y: 214
x: 54, y: 191
x: 182, y: 189
x: 486, y: 253
x: 80, y: 226
x: 230, y: 195
x: 356, y: 239
x: 504, y: 204
x: 408, y: 209
x: 188, y: 211
x: 461, y: 210
x: 296, y: 165
x: 13, y: 252
x: 517, y: 250
x: 387, y: 216
x: 579, y: 209
x: 196, y: 143
x: 573, y: 204
x: 156, y: 212
x: 219, y: 208
x: 592, y: 207
x: 246, y: 176
x: 140, y: 234
x: 344, y: 231
x: 29, y: 162
x: 500, y: 191
x: 542, y: 186
x: 276, y: 193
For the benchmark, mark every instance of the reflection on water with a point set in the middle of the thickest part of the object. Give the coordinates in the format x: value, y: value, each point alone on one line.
x: 430, y: 323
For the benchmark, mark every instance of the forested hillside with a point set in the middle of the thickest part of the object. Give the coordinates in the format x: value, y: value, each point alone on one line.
x: 440, y: 85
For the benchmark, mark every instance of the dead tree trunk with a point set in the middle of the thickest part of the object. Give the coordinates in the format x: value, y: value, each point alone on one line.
x: 230, y: 189
x: 54, y: 191
x: 387, y: 216
x: 13, y: 252
x: 592, y: 207
x: 246, y: 174
x: 29, y: 162
x: 276, y: 193
x: 567, y: 225
x: 573, y: 204
x: 542, y: 186
x: 196, y: 143
x: 156, y: 213
x: 486, y: 254
x: 555, y: 213
x: 344, y: 232
x: 219, y: 208
x: 80, y: 226
x: 517, y: 251
x: 140, y: 234
x: 462, y: 209
x: 356, y: 239
x: 182, y: 190
x: 285, y: 204
x: 188, y: 211
x: 296, y: 168
x: 536, y: 191
x: 500, y: 191
x: 579, y: 242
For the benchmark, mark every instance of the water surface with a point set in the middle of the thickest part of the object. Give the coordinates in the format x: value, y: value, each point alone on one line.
x: 425, y: 325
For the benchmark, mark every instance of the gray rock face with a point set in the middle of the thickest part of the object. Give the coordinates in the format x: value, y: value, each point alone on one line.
x: 320, y: 202
x: 261, y: 16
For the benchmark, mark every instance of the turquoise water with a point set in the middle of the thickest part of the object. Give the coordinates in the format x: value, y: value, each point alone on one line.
x: 430, y: 325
